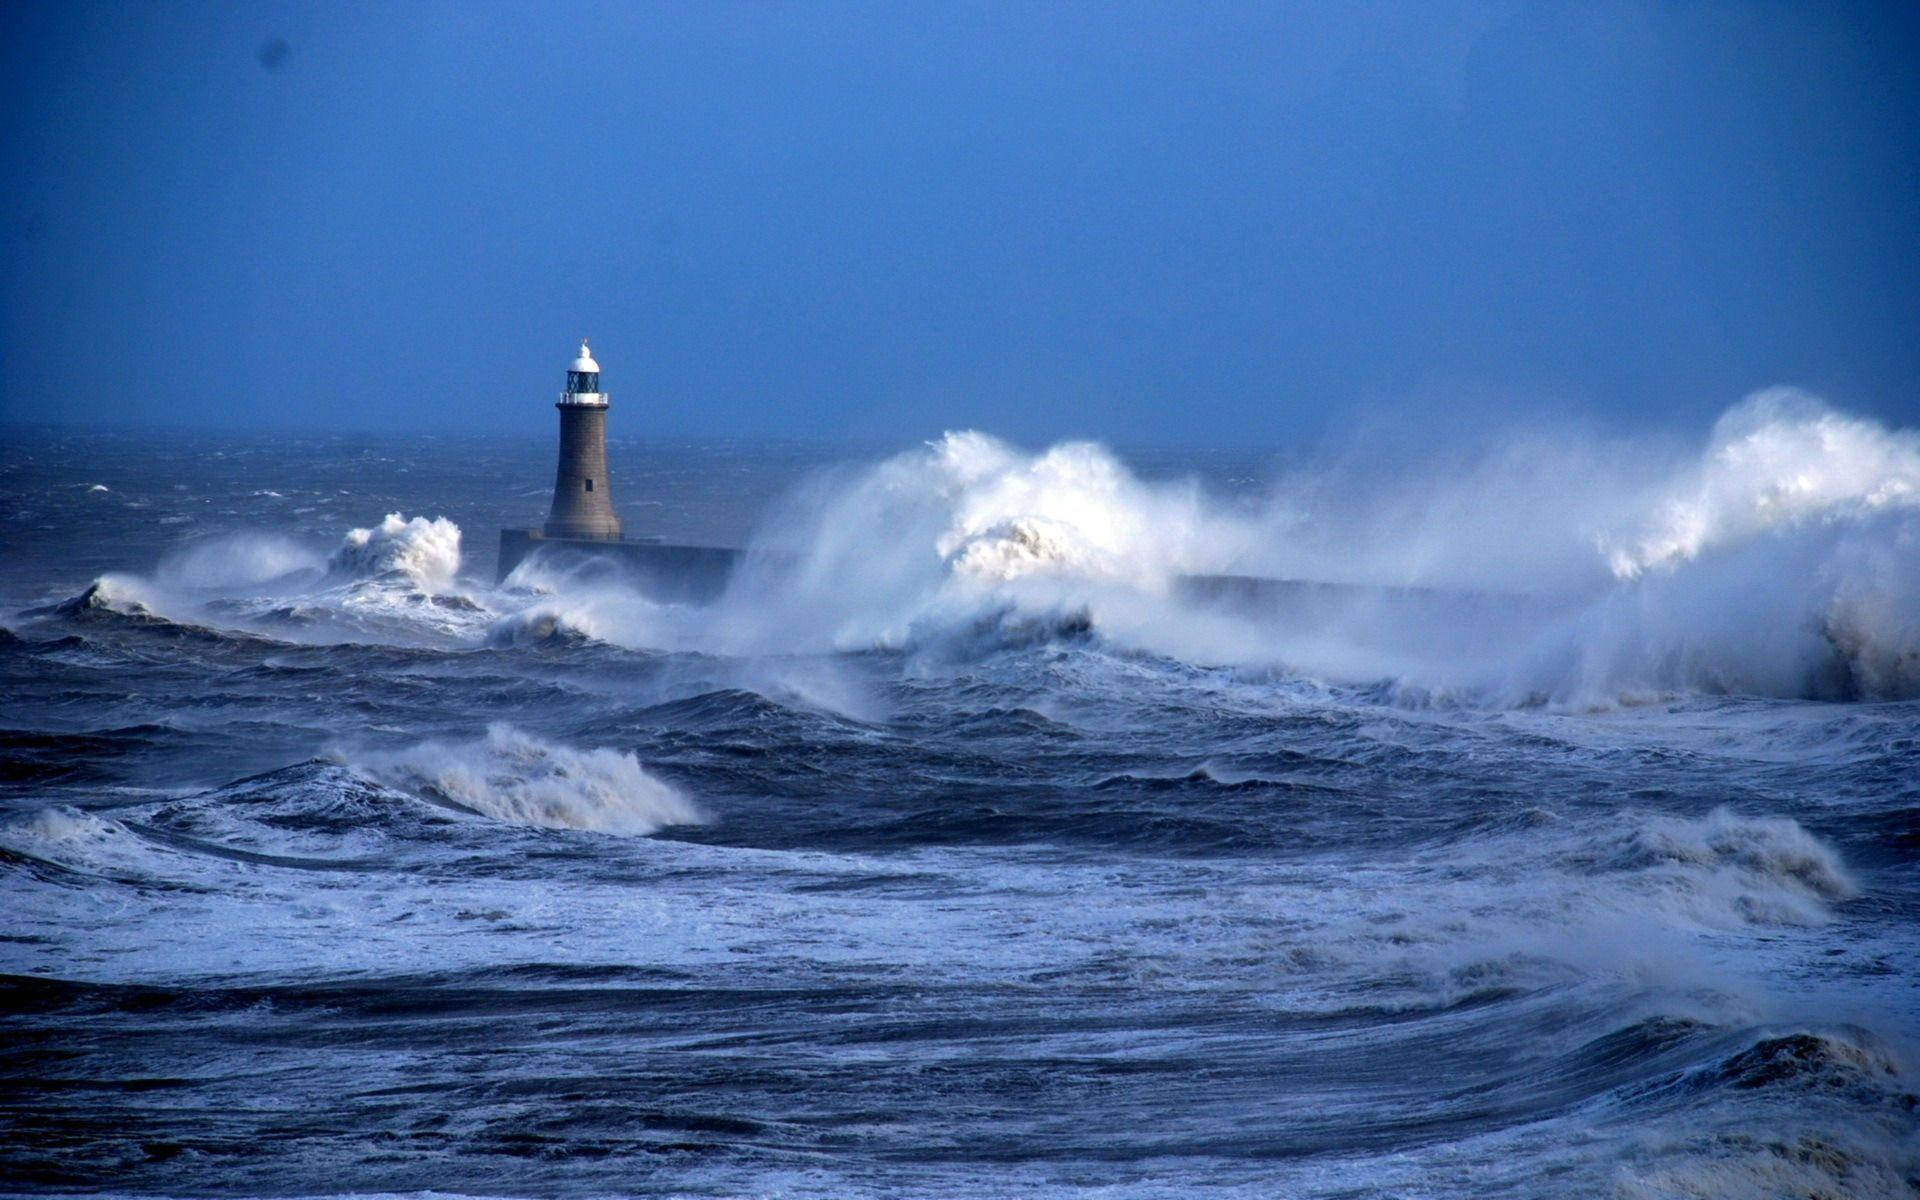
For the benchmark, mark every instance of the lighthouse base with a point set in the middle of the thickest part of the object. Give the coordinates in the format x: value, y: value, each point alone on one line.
x: 677, y: 574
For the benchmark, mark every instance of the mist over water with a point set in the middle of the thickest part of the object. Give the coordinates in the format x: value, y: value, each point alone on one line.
x: 1547, y: 829
x: 1777, y: 560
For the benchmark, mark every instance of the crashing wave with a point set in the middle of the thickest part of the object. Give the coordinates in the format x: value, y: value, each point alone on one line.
x: 115, y: 595
x: 958, y: 529
x: 1785, y: 562
x: 1074, y: 509
x: 63, y: 825
x: 1022, y: 546
x: 424, y: 551
x: 597, y: 611
x: 1775, y: 848
x: 70, y: 840
x: 1825, y: 1060
x: 1005, y: 627
x: 542, y: 625
x: 1783, y: 559
x: 1826, y: 612
x: 1779, y: 459
x: 1758, y: 870
x: 1870, y: 1155
x: 125, y: 602
x: 393, y: 581
x: 512, y: 776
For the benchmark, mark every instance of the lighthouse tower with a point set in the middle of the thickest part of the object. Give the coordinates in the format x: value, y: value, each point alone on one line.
x: 582, y: 500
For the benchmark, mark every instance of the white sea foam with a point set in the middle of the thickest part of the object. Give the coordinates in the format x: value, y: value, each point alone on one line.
x: 1779, y: 459
x: 127, y: 595
x: 1779, y: 560
x: 425, y: 551
x: 89, y: 843
x: 1873, y: 1160
x: 1636, y: 896
x: 513, y: 776
x: 1782, y: 558
x: 63, y: 825
x: 584, y: 600
x: 1731, y: 869
x: 956, y: 529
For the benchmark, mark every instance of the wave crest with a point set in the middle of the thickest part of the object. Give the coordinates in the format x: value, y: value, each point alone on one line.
x: 1767, y: 870
x: 512, y: 776
x: 117, y: 595
x: 425, y: 551
x: 1778, y: 459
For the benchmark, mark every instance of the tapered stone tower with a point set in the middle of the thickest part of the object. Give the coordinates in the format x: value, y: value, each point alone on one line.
x: 581, y: 526
x: 582, y: 499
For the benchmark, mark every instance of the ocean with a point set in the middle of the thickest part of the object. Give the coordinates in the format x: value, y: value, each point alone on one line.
x: 1566, y: 846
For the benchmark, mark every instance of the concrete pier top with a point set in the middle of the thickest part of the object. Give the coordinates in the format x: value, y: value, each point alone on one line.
x: 664, y: 571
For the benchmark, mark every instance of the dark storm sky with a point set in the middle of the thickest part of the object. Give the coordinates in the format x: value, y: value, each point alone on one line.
x: 1199, y: 222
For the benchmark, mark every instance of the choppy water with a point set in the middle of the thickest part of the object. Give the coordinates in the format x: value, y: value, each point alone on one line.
x: 952, y: 855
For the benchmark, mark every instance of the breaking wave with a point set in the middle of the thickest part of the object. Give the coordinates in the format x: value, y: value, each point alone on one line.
x: 394, y: 582
x: 582, y: 600
x: 1731, y: 868
x: 424, y: 551
x: 513, y: 776
x: 1871, y: 1155
x: 109, y: 595
x: 1781, y: 558
x: 1773, y: 849
x: 63, y: 826
x: 1780, y: 459
x: 69, y: 846
x: 1784, y: 559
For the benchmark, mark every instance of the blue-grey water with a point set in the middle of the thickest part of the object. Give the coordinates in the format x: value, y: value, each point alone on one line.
x: 953, y: 853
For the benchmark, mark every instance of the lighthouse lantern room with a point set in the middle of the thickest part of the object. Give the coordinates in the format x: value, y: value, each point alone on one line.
x: 583, y: 379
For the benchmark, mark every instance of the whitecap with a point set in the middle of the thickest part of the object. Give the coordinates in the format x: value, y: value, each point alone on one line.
x: 513, y: 776
x: 425, y: 551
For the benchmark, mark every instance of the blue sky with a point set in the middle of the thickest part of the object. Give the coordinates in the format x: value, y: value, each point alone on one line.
x: 1186, y: 223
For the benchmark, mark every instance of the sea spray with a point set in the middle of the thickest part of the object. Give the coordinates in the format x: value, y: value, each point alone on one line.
x: 395, y: 582
x: 582, y: 598
x: 513, y: 776
x: 862, y: 557
x: 1779, y: 459
x: 424, y: 551
x: 1778, y: 561
x: 1828, y: 610
x: 1780, y: 557
x: 237, y: 560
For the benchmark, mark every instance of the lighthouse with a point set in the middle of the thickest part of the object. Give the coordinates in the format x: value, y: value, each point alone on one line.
x: 581, y: 527
x: 582, y: 499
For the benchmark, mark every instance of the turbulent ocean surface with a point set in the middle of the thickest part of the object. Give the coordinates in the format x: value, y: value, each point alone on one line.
x: 1561, y: 841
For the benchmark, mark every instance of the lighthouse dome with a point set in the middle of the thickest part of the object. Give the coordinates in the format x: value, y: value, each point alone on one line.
x: 585, y: 361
